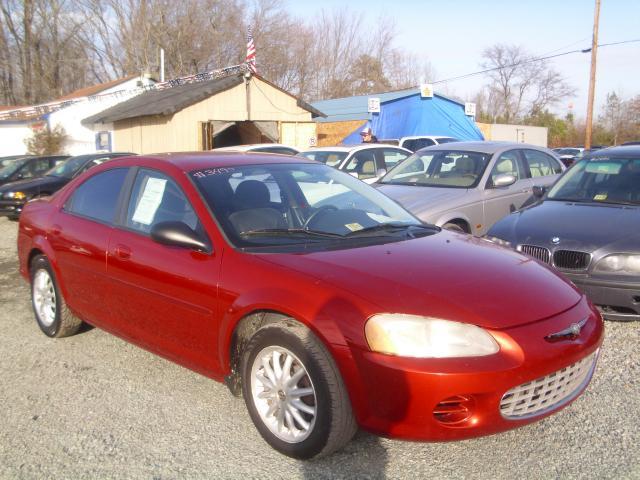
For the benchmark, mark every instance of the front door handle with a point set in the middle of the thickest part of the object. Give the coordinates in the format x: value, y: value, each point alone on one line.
x: 123, y: 252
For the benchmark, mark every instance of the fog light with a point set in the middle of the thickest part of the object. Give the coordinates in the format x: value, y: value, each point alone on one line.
x: 454, y: 410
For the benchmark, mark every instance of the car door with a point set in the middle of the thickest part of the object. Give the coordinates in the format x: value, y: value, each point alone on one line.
x: 543, y: 169
x: 164, y: 296
x: 500, y: 201
x: 362, y: 164
x: 390, y: 157
x: 79, y: 236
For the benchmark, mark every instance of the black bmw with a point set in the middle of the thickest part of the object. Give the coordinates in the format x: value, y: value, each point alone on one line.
x: 14, y: 195
x: 588, y: 227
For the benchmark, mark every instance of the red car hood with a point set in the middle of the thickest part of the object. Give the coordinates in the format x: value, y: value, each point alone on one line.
x: 446, y: 275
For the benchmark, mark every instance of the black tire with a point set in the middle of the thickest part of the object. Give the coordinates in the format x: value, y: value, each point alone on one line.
x: 55, y: 320
x: 333, y: 424
x: 454, y: 227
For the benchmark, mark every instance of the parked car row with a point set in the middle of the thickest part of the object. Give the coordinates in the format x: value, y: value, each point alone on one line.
x: 308, y: 291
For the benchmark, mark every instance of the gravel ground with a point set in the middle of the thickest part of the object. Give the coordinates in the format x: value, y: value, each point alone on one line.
x: 92, y: 406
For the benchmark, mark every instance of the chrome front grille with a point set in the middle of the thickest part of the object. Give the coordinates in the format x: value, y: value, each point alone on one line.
x: 546, y: 393
x: 540, y: 253
x: 571, y: 260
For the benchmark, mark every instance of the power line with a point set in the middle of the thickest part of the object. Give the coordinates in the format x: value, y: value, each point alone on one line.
x: 531, y: 60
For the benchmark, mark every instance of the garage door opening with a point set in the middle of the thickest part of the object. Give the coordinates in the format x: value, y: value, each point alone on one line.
x: 216, y: 134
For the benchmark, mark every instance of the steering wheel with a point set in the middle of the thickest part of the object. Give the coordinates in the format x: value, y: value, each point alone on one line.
x: 322, y: 209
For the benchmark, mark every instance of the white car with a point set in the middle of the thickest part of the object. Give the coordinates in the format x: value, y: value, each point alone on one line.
x: 259, y: 147
x: 416, y: 142
x: 368, y: 161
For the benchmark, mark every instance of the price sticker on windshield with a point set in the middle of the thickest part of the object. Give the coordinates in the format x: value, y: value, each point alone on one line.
x: 354, y: 227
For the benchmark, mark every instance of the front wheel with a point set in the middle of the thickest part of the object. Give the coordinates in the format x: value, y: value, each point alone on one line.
x: 294, y: 392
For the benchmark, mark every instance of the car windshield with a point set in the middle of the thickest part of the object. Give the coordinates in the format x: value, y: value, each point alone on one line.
x: 301, y: 204
x: 11, y: 167
x: 68, y: 168
x: 331, y: 158
x: 447, y: 140
x: 440, y: 168
x: 600, y: 180
x: 569, y: 151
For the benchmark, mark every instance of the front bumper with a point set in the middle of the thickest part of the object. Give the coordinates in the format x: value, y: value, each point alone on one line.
x: 616, y: 300
x: 11, y: 208
x: 409, y: 398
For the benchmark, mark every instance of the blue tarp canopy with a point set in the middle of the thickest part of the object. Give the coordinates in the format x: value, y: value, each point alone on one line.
x: 414, y: 115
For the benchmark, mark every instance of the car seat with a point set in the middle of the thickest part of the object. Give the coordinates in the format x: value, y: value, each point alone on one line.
x: 253, y: 208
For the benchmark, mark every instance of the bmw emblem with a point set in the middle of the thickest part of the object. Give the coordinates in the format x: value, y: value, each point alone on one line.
x: 555, y: 240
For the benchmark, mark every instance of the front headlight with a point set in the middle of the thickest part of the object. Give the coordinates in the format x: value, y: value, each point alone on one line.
x: 498, y: 241
x: 16, y: 195
x: 427, y: 337
x: 620, y: 263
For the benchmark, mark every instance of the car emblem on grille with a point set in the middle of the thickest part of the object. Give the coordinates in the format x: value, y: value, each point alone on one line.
x: 555, y: 240
x: 571, y: 332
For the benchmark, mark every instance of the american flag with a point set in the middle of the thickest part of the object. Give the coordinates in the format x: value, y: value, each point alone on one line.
x: 251, y: 53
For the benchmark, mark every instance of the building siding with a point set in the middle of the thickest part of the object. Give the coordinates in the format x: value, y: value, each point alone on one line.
x: 181, y: 131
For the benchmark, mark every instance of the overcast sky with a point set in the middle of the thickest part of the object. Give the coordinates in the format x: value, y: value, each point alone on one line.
x: 452, y: 34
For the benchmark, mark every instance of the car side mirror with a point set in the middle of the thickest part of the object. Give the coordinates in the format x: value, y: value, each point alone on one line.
x: 539, y: 191
x: 179, y: 234
x: 381, y: 172
x: 504, y: 180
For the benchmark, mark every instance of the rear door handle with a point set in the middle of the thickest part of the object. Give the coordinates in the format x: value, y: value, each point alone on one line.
x: 123, y: 252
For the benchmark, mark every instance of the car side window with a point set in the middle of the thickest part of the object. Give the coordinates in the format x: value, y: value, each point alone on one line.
x: 363, y: 163
x: 508, y: 164
x: 415, y: 144
x: 540, y: 164
x: 392, y: 157
x: 33, y: 168
x: 157, y: 198
x: 97, y: 197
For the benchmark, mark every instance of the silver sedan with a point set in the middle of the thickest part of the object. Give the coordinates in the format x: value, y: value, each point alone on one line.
x: 468, y: 186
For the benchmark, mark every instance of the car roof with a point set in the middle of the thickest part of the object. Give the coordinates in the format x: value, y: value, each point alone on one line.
x: 482, y: 146
x: 619, y: 151
x: 250, y: 146
x: 188, y: 161
x: 353, y: 148
x: 430, y: 137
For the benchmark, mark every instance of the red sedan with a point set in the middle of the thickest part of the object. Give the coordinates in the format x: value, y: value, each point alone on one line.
x: 326, y: 304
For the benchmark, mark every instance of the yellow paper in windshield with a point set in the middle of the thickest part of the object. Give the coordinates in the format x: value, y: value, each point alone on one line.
x: 600, y: 196
x: 354, y: 227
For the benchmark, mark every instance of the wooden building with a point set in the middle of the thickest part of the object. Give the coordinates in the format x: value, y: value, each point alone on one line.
x: 228, y: 111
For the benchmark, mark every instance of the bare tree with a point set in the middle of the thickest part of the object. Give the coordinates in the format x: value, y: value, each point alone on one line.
x: 520, y: 84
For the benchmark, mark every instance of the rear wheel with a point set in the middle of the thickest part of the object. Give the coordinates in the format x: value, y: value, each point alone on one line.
x: 52, y: 314
x: 294, y: 392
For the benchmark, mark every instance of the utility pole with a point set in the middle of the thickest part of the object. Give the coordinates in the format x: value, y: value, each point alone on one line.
x: 592, y: 77
x: 162, y: 65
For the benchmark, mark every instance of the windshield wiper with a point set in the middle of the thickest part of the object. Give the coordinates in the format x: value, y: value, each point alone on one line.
x: 618, y: 202
x: 388, y: 228
x: 283, y: 232
x: 571, y: 200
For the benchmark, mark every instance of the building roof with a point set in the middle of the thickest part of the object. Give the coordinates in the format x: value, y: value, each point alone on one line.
x: 95, y: 89
x: 357, y: 107
x: 171, y: 100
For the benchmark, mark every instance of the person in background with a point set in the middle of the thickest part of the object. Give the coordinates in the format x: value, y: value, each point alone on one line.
x: 368, y: 136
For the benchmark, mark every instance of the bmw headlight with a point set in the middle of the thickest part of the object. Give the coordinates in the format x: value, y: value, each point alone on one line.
x: 623, y: 264
x: 427, y: 337
x: 498, y: 241
x: 16, y: 195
